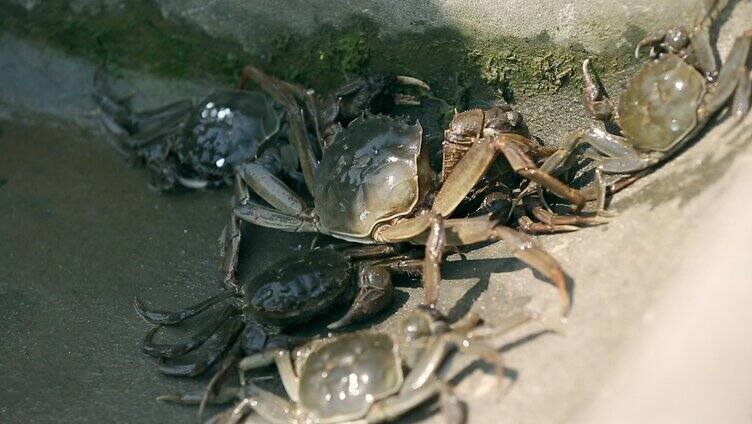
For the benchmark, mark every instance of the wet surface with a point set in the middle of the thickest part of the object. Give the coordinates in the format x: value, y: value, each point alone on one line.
x: 80, y: 236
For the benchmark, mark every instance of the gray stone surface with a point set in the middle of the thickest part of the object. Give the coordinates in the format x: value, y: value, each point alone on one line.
x: 595, y: 26
x: 80, y: 235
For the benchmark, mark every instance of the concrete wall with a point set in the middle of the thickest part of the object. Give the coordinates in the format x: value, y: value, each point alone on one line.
x: 624, y: 274
x: 595, y: 24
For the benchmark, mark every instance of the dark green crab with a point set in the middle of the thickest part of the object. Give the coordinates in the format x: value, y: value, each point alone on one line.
x: 195, y: 145
x: 292, y: 291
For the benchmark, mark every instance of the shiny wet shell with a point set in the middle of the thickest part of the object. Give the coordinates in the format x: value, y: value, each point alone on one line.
x: 342, y: 379
x: 294, y: 290
x: 368, y: 175
x: 659, y: 107
x: 225, y: 129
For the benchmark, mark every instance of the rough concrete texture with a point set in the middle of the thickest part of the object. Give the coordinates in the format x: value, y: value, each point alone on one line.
x: 82, y: 235
x: 596, y: 27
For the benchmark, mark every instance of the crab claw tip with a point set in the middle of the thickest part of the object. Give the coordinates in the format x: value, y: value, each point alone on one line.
x: 405, y: 80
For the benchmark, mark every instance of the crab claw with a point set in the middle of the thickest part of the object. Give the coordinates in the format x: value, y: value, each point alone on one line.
x: 405, y: 80
x: 406, y: 100
x: 375, y: 294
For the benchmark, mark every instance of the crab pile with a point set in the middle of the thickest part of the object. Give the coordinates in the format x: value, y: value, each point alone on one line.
x: 343, y: 166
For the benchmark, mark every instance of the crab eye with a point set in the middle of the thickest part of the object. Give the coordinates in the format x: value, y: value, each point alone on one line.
x: 677, y: 38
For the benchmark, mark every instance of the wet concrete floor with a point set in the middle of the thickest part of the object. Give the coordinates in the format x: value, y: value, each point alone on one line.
x: 80, y: 236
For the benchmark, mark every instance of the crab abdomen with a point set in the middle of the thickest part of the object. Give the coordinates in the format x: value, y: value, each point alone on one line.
x: 297, y: 289
x: 659, y: 107
x: 368, y: 175
x: 342, y: 379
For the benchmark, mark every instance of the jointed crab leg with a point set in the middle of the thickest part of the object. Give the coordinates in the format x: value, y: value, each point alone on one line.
x: 135, y: 129
x: 283, y: 94
x: 218, y: 345
x: 435, y: 242
x: 550, y: 222
x: 475, y: 230
x: 178, y: 349
x: 267, y: 217
x: 271, y: 189
x: 169, y: 318
x: 223, y: 396
x: 732, y: 78
x: 477, y: 160
x: 466, y: 231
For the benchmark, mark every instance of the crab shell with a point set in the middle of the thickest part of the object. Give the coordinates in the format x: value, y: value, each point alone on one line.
x: 225, y: 129
x: 294, y: 290
x: 374, y: 171
x: 341, y: 379
x: 659, y: 107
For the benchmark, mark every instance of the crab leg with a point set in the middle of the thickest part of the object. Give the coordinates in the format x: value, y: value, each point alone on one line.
x: 477, y: 160
x: 173, y: 350
x: 271, y: 189
x: 272, y: 408
x: 703, y: 56
x: 170, y: 318
x: 223, y: 396
x: 396, y: 406
x: 267, y: 217
x: 131, y: 129
x: 524, y: 249
x: 551, y: 222
x: 283, y: 361
x: 435, y: 242
x: 229, y: 249
x: 218, y: 345
x: 283, y: 94
x: 229, y: 240
x: 465, y: 231
x: 730, y: 79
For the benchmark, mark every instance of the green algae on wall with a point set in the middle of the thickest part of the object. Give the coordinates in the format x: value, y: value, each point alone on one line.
x: 137, y: 36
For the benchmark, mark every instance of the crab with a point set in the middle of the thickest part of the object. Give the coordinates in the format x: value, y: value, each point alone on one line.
x: 196, y: 145
x: 290, y: 292
x: 360, y: 377
x: 200, y: 145
x: 498, y: 192
x: 667, y: 103
x: 373, y: 184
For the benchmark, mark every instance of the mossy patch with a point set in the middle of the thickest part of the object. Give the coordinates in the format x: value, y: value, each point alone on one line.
x: 137, y: 36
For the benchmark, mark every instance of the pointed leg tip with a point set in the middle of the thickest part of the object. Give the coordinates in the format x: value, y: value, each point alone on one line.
x: 169, y: 398
x: 336, y: 325
x: 406, y: 80
x: 607, y: 215
x: 138, y: 305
